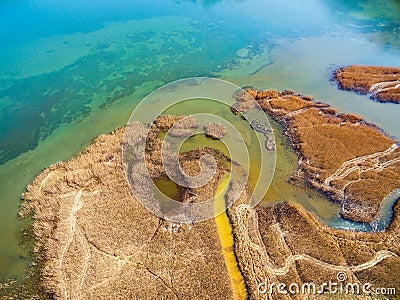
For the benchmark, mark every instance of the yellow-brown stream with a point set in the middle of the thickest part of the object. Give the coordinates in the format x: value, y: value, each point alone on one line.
x: 227, y: 242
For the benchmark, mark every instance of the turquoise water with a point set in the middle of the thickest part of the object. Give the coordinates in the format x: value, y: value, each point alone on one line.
x: 381, y: 222
x: 72, y: 70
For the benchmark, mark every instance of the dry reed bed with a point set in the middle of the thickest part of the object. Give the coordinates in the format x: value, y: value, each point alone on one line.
x: 382, y: 82
x: 336, y: 152
x: 96, y: 241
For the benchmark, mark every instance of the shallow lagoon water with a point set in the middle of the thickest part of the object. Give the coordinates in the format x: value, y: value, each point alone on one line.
x: 69, y: 72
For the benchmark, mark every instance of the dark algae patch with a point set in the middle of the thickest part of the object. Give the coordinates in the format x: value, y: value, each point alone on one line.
x: 33, y: 107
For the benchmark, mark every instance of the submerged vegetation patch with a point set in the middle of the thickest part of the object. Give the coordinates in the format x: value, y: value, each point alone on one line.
x: 33, y: 107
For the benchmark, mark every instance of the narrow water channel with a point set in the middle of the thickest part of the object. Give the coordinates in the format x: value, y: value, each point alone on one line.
x: 227, y: 242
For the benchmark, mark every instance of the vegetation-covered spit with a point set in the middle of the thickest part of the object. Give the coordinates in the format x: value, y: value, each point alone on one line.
x: 383, y: 83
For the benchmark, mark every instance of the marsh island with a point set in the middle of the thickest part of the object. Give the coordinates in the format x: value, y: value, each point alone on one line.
x: 95, y: 240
